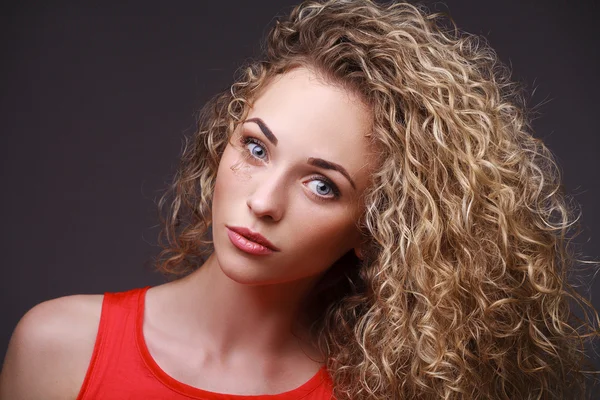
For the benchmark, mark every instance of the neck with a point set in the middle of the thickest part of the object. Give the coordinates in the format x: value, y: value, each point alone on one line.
x: 234, y: 318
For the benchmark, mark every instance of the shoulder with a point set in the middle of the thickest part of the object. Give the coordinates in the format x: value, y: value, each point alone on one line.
x: 50, y: 349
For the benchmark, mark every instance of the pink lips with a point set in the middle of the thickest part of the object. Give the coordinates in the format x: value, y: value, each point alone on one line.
x: 249, y: 241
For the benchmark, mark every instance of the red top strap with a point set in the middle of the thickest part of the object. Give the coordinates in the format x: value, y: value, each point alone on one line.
x: 122, y: 367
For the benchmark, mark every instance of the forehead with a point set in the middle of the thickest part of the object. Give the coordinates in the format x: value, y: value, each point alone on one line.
x: 304, y: 99
x: 315, y: 118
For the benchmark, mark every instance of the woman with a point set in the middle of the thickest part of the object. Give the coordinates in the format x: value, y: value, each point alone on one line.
x: 365, y: 214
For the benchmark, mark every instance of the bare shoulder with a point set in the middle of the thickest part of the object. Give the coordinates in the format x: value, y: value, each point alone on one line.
x: 50, y: 349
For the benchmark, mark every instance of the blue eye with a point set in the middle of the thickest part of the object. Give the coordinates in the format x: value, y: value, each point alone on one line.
x: 255, y: 148
x: 321, y: 188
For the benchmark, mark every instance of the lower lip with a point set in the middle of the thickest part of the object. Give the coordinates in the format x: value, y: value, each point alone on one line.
x: 246, y: 245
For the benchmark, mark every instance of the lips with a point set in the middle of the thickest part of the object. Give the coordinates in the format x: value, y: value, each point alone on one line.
x: 253, y: 237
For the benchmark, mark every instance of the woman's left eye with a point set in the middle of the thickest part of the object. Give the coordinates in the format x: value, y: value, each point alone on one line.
x: 322, y: 188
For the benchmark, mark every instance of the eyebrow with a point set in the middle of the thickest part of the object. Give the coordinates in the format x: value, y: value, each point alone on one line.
x: 317, y: 162
x: 265, y: 129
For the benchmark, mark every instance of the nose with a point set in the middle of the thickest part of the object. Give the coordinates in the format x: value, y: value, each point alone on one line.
x: 267, y: 200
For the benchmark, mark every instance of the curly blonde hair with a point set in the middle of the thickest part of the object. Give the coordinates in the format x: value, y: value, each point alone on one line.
x: 463, y: 291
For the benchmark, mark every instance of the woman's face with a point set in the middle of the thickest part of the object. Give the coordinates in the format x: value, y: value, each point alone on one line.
x: 293, y: 172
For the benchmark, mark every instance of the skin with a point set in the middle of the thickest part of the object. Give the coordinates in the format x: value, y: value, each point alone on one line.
x: 209, y: 329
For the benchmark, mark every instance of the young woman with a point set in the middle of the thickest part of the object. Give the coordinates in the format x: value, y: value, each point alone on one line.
x: 364, y: 215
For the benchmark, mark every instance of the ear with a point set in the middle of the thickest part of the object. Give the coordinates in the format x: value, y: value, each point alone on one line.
x: 358, y: 252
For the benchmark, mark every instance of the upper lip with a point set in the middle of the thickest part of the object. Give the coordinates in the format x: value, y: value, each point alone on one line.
x: 253, y: 236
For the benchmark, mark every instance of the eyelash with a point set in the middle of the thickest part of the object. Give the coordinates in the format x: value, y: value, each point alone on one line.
x: 245, y: 140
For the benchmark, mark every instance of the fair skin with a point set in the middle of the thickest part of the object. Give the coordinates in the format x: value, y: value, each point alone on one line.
x: 240, y: 339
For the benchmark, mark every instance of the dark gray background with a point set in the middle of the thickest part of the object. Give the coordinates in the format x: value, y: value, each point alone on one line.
x: 95, y: 100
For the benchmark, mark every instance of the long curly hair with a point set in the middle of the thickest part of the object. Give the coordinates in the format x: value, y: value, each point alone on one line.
x: 463, y: 292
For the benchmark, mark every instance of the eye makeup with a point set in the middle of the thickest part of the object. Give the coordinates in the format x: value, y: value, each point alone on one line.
x: 317, y: 162
x: 246, y: 140
x: 248, y: 154
x: 334, y: 189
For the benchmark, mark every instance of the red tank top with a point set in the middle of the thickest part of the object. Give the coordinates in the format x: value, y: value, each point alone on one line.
x: 122, y: 367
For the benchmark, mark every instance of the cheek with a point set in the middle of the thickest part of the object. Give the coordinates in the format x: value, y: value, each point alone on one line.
x: 232, y: 171
x: 237, y: 168
x: 324, y: 232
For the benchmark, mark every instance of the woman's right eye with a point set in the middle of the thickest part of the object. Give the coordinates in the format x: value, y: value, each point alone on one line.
x: 255, y: 148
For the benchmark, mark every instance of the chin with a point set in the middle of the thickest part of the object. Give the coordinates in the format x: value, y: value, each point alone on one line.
x: 244, y: 272
x: 253, y: 272
x: 242, y: 276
